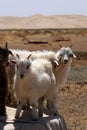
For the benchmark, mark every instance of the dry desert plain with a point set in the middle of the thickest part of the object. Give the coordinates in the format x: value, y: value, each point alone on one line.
x: 72, y: 99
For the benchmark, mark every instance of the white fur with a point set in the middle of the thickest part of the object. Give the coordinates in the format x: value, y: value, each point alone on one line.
x: 11, y: 72
x: 61, y: 73
x: 22, y: 53
x: 65, y: 54
x: 38, y: 81
x: 41, y: 64
x: 50, y: 55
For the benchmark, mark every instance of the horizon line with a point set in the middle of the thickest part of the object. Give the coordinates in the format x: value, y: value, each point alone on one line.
x: 40, y: 15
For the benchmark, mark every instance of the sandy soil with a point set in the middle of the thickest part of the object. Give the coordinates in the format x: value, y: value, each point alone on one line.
x: 73, y: 106
x: 40, y: 21
x: 73, y: 98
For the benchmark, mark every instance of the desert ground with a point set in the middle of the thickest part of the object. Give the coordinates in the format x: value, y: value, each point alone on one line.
x: 39, y: 21
x: 72, y: 99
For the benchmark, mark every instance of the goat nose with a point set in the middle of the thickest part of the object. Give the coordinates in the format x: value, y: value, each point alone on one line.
x: 21, y: 76
x: 65, y: 61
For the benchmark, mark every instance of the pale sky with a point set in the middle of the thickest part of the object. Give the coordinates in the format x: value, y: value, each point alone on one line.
x: 45, y: 7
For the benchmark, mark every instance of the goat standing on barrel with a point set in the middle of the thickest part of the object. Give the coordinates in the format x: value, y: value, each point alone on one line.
x: 32, y: 81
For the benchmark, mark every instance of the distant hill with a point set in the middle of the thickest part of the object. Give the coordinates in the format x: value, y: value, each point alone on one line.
x: 41, y: 21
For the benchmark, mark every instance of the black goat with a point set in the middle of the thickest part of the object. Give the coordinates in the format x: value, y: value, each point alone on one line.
x: 4, y: 53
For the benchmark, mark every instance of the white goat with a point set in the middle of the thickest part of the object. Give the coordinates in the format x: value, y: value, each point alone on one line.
x: 50, y: 55
x: 65, y: 55
x: 11, y: 71
x: 32, y: 81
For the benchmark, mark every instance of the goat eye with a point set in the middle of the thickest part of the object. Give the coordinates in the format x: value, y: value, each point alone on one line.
x: 71, y: 55
x: 60, y: 55
x: 27, y: 67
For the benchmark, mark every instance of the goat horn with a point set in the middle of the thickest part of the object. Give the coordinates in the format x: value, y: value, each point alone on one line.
x: 60, y: 46
x: 6, y: 44
x: 18, y: 56
x: 29, y: 56
x: 70, y: 45
x: 10, y: 52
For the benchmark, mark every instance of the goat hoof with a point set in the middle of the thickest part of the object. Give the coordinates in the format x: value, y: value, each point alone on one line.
x: 40, y: 113
x: 34, y: 119
x: 16, y: 117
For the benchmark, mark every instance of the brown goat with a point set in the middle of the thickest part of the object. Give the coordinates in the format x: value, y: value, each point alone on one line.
x: 4, y: 53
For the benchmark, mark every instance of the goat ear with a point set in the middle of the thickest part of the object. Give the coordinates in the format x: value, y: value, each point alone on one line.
x: 55, y: 64
x: 74, y: 56
x: 6, y: 45
x: 10, y: 52
x: 13, y: 61
x: 18, y: 56
x: 29, y: 56
x: 60, y: 46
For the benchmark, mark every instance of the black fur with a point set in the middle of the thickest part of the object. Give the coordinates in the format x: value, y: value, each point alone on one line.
x: 4, y: 52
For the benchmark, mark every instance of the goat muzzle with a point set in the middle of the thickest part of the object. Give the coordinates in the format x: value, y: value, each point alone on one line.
x: 21, y: 76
